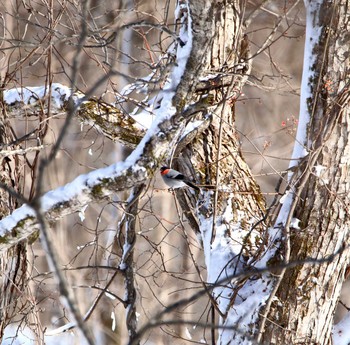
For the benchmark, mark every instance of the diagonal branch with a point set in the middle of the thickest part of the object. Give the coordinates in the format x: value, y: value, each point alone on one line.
x: 163, y: 134
x: 106, y: 118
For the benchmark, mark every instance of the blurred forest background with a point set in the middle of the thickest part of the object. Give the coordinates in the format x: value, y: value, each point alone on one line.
x: 37, y: 47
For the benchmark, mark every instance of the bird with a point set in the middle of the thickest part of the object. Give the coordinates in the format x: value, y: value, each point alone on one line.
x: 174, y: 179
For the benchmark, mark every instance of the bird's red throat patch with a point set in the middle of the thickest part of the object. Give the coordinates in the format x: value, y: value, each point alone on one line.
x: 164, y: 172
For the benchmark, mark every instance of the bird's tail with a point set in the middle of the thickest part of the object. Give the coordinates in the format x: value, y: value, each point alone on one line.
x: 189, y: 183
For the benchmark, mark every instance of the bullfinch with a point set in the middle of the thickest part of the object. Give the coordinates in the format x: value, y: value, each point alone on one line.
x: 174, y: 179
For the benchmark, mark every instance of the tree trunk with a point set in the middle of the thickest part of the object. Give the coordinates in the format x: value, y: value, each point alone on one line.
x: 229, y: 215
x: 307, y: 295
x: 303, y: 307
x: 13, y: 264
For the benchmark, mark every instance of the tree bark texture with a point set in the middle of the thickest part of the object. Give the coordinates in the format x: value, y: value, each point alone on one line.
x: 13, y: 263
x: 229, y: 216
x: 215, y: 153
x: 127, y: 265
x: 308, y: 294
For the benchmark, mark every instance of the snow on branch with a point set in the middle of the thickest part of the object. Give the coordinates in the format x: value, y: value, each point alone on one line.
x: 104, y: 117
x: 312, y: 36
x: 136, y: 169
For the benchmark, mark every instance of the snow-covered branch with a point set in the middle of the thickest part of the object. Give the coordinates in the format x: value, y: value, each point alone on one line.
x: 106, y: 118
x: 141, y: 163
